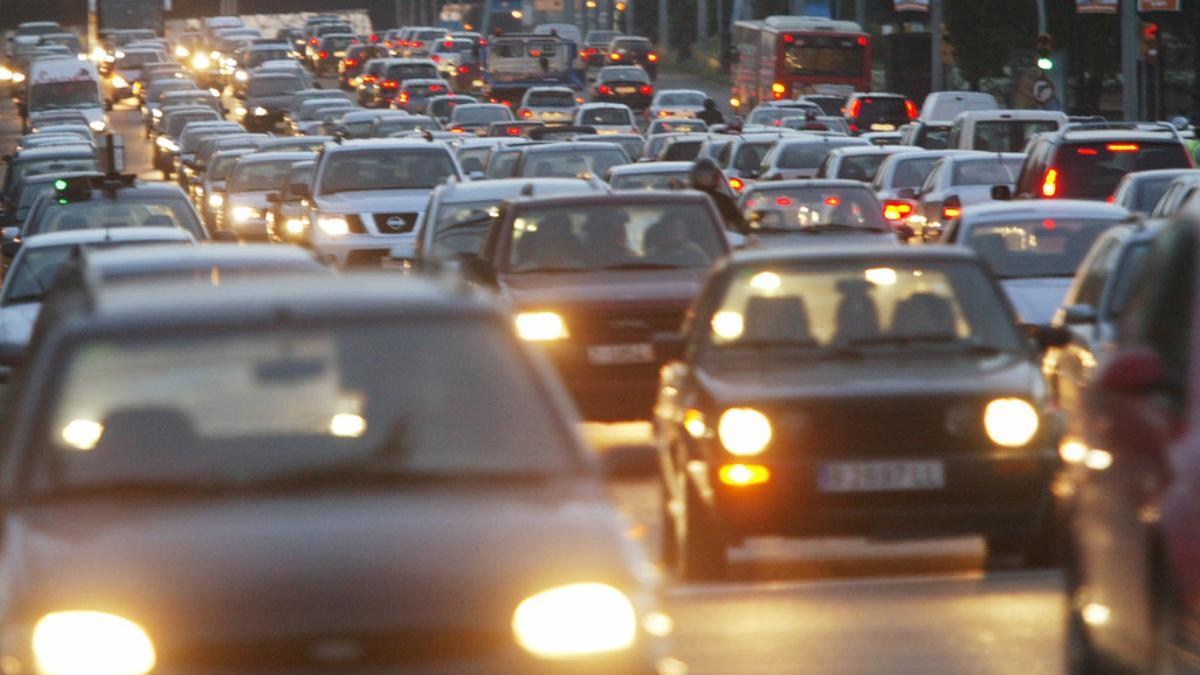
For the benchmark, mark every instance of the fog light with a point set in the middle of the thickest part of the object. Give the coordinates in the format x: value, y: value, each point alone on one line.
x: 741, y: 475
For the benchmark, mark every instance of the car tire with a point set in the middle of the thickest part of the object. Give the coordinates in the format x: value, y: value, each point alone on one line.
x: 701, y: 555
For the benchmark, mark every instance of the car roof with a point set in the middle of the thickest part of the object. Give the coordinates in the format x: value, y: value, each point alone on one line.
x: 149, y: 259
x: 1160, y: 173
x: 99, y: 236
x: 1010, y: 114
x: 269, y: 157
x: 875, y: 149
x: 1048, y: 208
x: 557, y: 146
x: 642, y: 168
x: 596, y: 106
x: 976, y: 156
x: 56, y: 152
x: 867, y: 255
x: 380, y: 143
x: 506, y: 188
x: 809, y: 182
x: 1101, y: 135
x: 616, y: 196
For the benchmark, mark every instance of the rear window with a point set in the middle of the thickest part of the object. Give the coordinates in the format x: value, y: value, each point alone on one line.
x: 881, y: 108
x: 412, y: 71
x: 1149, y: 191
x: 861, y: 167
x: 987, y: 172
x: 1040, y: 247
x: 571, y: 163
x: 807, y: 155
x: 606, y: 116
x: 1093, y: 170
x: 1008, y: 135
x: 557, y: 99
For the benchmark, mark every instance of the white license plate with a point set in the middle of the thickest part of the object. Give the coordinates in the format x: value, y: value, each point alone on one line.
x: 880, y: 476
x: 883, y: 127
x: 611, y: 355
x: 339, y: 54
x: 626, y: 90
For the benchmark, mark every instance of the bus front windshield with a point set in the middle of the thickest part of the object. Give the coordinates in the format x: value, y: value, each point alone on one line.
x: 829, y: 56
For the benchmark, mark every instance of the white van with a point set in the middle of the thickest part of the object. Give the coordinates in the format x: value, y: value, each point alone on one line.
x: 66, y: 84
x: 944, y: 106
x: 1001, y: 130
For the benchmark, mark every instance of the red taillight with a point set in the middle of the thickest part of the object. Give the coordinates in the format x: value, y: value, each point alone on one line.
x: 652, y: 57
x: 737, y: 184
x: 589, y: 51
x: 951, y: 212
x: 370, y: 79
x: 855, y: 108
x: 1111, y: 199
x: 1050, y: 183
x: 1123, y: 147
x: 404, y: 97
x: 457, y: 130
x: 374, y: 38
x: 911, y: 109
x: 390, y: 84
x: 435, y: 58
x: 483, y: 42
x: 322, y: 54
x: 350, y: 63
x: 463, y: 70
x: 507, y: 104
x: 436, y: 88
x: 513, y: 131
x: 789, y: 38
x: 403, y: 43
x: 1049, y: 224
x: 1087, y: 151
x: 897, y: 210
x: 314, y: 41
x: 417, y: 43
x: 832, y: 201
x: 604, y: 89
x: 448, y: 43
x: 646, y: 89
x: 783, y: 201
x: 614, y: 56
x: 525, y: 113
x: 535, y: 53
x: 862, y: 40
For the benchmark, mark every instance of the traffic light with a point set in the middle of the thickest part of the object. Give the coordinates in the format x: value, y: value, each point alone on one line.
x: 1150, y: 42
x: 1045, y: 48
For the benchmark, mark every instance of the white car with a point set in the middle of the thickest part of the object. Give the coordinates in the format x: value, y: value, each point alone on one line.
x: 606, y: 118
x: 677, y: 103
x: 550, y: 105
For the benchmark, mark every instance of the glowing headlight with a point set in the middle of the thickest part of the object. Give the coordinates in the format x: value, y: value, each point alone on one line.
x: 97, y: 125
x: 6, y: 75
x: 334, y: 226
x: 1010, y: 422
x: 166, y: 144
x: 541, y: 327
x: 216, y: 201
x: 294, y: 226
x: 575, y: 620
x: 182, y: 52
x: 69, y: 643
x: 240, y: 111
x: 18, y: 77
x: 261, y: 111
x: 119, y: 82
x: 744, y: 432
x: 201, y: 62
x: 241, y: 76
x: 156, y: 112
x: 242, y: 214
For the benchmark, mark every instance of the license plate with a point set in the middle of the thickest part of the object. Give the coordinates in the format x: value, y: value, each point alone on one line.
x: 339, y: 54
x: 389, y: 263
x: 881, y: 476
x: 626, y: 90
x: 610, y: 355
x: 883, y: 127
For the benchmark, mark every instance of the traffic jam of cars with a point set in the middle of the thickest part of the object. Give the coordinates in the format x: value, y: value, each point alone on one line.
x: 314, y: 341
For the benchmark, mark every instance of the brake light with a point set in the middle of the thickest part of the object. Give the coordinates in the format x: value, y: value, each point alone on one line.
x: 1123, y: 147
x: 604, y: 89
x: 783, y: 201
x: 314, y: 41
x: 418, y: 44
x: 404, y: 97
x: 646, y: 89
x: 435, y: 58
x: 457, y: 130
x: 897, y: 210
x: 737, y: 184
x: 483, y: 42
x: 1049, y: 224
x: 535, y: 53
x: 448, y: 43
x: 832, y: 201
x: 507, y: 104
x: 1050, y: 183
x: 862, y: 40
x: 369, y: 79
x: 614, y: 56
x: 1087, y: 151
x: 789, y: 38
x: 390, y: 84
x: 374, y: 37
x: 350, y: 63
x: 436, y: 88
x: 664, y: 113
x: 322, y: 54
x: 525, y: 113
x: 911, y: 109
x: 778, y: 90
x: 463, y: 70
x: 950, y: 212
x: 652, y: 57
x: 513, y: 131
x: 403, y: 43
x: 855, y: 108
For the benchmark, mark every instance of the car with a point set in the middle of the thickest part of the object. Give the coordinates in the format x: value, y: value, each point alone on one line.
x: 194, y: 134
x: 254, y: 177
x: 286, y: 223
x: 677, y: 103
x: 1181, y: 193
x: 945, y: 106
x: 477, y: 118
x: 252, y: 57
x: 681, y: 147
x: 1088, y: 160
x: 830, y: 104
x: 211, y: 192
x: 473, y: 153
x: 899, y: 179
x: 459, y: 214
x: 194, y: 171
x: 75, y: 135
x: 594, y: 50
x: 606, y: 118
x: 155, y: 92
x: 368, y: 79
x: 310, y: 119
x: 858, y: 162
x: 350, y: 67
x: 415, y: 93
x: 741, y: 155
x: 393, y: 73
x: 628, y: 50
x: 654, y: 143
x: 384, y: 127
x: 877, y: 111
x: 330, y: 49
x: 366, y: 194
x: 555, y: 160
x: 268, y: 98
x: 418, y: 41
x: 924, y: 134
x: 1139, y: 191
x: 456, y: 58
x: 1001, y: 130
x: 38, y: 161
x: 35, y: 269
x: 30, y: 189
x: 166, y: 140
x: 669, y: 125
x: 624, y: 85
x: 299, y: 98
x: 37, y: 122
x: 265, y: 486
x: 127, y: 69
x: 967, y: 447
x: 800, y: 157
x: 632, y: 144
x: 814, y: 212
x: 549, y: 105
x: 357, y: 123
x: 178, y: 98
x: 1035, y: 248
x: 772, y: 115
x: 651, y: 176
x: 593, y: 277
x: 959, y: 181
x: 443, y: 106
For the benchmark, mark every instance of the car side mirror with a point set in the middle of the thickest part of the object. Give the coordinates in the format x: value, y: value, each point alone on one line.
x: 670, y: 346
x: 226, y: 236
x: 477, y: 269
x: 1001, y: 193
x: 1076, y: 315
x: 1134, y: 372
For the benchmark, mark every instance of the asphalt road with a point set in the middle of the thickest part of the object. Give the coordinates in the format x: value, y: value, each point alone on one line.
x: 818, y: 606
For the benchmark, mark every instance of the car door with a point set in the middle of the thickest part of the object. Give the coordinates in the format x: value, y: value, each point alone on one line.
x: 1076, y: 362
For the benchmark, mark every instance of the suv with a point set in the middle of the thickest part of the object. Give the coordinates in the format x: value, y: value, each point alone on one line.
x: 1088, y: 160
x: 878, y: 112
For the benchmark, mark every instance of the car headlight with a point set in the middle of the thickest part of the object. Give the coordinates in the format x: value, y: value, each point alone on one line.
x: 216, y: 201
x: 575, y: 620
x: 77, y: 642
x: 201, y: 62
x: 295, y: 225
x: 242, y: 214
x: 334, y: 226
x: 1010, y: 422
x: 744, y: 432
x: 182, y: 52
x: 167, y: 144
x: 97, y: 125
x: 6, y: 75
x: 119, y: 82
x: 18, y: 78
x: 157, y: 112
x: 241, y: 76
x: 541, y: 327
x: 261, y: 111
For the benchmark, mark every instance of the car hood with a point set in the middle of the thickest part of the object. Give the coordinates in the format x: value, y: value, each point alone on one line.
x: 256, y: 199
x: 737, y: 380
x: 374, y: 201
x: 1036, y: 299
x: 16, y: 326
x: 407, y: 562
x: 864, y: 238
x: 281, y: 103
x: 641, y: 287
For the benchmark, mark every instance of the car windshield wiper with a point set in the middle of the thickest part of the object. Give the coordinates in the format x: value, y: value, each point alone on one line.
x: 469, y: 223
x: 552, y: 270
x: 133, y: 488
x: 645, y: 265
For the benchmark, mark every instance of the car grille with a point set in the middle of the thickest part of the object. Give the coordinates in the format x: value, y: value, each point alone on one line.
x: 395, y: 223
x: 616, y: 326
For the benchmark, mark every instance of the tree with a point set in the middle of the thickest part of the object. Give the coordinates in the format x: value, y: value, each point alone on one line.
x: 985, y: 32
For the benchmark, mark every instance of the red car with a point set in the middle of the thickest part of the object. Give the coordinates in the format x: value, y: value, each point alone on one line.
x: 1130, y: 488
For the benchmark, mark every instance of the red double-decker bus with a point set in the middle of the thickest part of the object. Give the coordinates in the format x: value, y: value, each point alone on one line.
x: 782, y: 57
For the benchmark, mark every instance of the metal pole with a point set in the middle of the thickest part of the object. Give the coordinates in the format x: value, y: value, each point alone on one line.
x: 937, y: 73
x: 1041, y: 9
x: 701, y: 20
x: 860, y: 12
x: 664, y: 25
x: 1129, y: 59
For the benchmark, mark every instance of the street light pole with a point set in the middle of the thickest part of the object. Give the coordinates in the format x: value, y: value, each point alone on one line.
x: 937, y: 74
x: 1129, y: 56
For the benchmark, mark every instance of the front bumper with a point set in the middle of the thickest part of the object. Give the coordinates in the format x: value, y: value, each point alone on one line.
x: 605, y: 392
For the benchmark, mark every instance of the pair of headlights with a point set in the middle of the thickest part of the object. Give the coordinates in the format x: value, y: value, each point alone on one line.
x: 746, y: 432
x: 576, y: 620
x: 244, y: 214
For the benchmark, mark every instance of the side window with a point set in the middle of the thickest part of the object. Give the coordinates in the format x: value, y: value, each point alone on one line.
x: 1099, y: 266
x: 725, y: 155
x: 823, y: 170
x: 502, y: 164
x: 931, y: 180
x: 1165, y: 204
x: 1160, y: 313
x: 955, y: 132
x: 1030, y: 171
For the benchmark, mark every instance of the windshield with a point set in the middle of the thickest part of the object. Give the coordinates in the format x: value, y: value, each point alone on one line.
x: 551, y: 99
x: 33, y: 274
x: 481, y: 115
x: 860, y: 167
x: 445, y: 106
x: 337, y: 42
x: 693, y: 99
x: 571, y: 163
x: 677, y: 126
x: 911, y: 173
x: 830, y: 56
x: 1041, y: 247
x: 390, y: 169
x: 606, y: 116
x: 987, y: 171
x: 1093, y: 170
x: 233, y: 410
x: 260, y: 176
x: 274, y: 86
x: 1008, y: 135
x: 809, y: 155
x: 411, y: 71
x: 92, y: 214
x: 72, y: 94
x: 628, y: 74
x: 882, y: 310
x: 676, y: 180
x: 259, y: 56
x: 641, y: 236
x: 175, y: 123
x: 813, y: 208
x: 222, y: 168
x: 460, y: 228
x: 135, y: 60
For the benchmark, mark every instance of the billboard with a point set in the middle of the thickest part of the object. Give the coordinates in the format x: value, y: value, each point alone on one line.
x: 1097, y: 6
x: 1158, y: 5
x: 912, y: 5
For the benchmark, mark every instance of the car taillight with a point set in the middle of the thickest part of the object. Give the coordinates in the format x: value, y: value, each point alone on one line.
x: 457, y: 130
x: 513, y: 131
x: 448, y: 43
x: 1123, y: 147
x: 404, y: 97
x: 403, y: 43
x: 664, y: 113
x: 390, y: 84
x: 314, y: 42
x: 374, y: 38
x: 862, y: 40
x: 855, y: 108
x: 778, y: 90
x: 911, y: 109
x: 950, y: 212
x: 894, y: 209
x: 604, y: 89
x: 525, y: 113
x: 1050, y: 183
x: 737, y: 184
x: 370, y: 79
x: 350, y: 63
x: 322, y: 54
x: 614, y: 56
x: 418, y: 44
x: 652, y: 57
x: 589, y: 51
x: 435, y: 58
x: 463, y: 70
x: 646, y: 89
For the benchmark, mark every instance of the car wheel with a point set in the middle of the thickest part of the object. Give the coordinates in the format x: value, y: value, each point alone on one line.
x: 701, y: 555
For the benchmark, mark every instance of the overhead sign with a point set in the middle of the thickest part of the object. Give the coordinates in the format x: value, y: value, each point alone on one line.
x: 548, y: 5
x: 1158, y: 5
x: 1097, y: 6
x: 912, y: 5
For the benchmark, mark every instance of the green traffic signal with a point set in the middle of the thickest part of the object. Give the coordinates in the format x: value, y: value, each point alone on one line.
x: 1045, y: 63
x: 60, y: 185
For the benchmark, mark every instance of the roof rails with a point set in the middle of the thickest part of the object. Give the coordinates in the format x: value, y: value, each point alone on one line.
x: 1148, y: 127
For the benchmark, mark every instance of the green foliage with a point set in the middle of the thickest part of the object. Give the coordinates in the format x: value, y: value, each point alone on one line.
x: 985, y: 32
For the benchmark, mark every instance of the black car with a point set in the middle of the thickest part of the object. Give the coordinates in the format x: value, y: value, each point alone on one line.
x: 623, y: 84
x: 324, y: 480
x: 267, y: 99
x: 628, y: 50
x: 878, y: 112
x: 851, y: 391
